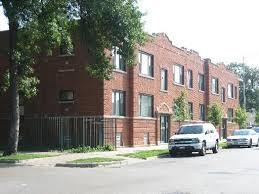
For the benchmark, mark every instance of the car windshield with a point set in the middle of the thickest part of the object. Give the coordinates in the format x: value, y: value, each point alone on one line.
x: 241, y: 132
x: 256, y: 129
x: 195, y: 129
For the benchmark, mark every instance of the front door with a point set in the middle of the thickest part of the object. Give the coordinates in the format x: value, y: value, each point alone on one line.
x: 164, y: 128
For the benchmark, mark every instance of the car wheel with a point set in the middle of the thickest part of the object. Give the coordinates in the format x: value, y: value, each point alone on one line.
x: 203, y: 149
x: 250, y: 144
x: 257, y: 143
x: 216, y: 148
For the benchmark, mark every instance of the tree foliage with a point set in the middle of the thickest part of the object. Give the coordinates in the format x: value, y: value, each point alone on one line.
x: 37, y: 27
x: 250, y: 76
x: 215, y: 114
x: 181, y: 112
x: 108, y: 23
x: 241, y: 117
x: 257, y: 118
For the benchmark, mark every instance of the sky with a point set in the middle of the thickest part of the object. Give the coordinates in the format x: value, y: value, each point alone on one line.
x: 223, y: 30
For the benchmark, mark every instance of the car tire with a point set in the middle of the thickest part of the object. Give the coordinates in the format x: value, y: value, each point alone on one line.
x: 172, y: 153
x: 251, y: 143
x: 257, y: 143
x: 202, y: 152
x: 216, y: 148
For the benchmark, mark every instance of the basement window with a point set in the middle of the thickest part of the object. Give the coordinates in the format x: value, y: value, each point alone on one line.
x: 66, y: 96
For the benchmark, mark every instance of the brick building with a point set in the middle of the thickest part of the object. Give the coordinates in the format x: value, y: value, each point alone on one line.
x: 140, y: 98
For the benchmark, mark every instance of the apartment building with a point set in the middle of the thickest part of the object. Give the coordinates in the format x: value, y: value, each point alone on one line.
x: 140, y: 98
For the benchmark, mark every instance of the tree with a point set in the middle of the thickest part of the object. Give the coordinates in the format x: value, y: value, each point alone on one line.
x: 215, y: 114
x: 181, y: 112
x: 241, y: 117
x: 250, y: 77
x: 36, y: 27
x: 257, y: 118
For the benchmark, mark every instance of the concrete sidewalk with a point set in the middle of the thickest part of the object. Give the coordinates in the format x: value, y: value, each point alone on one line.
x: 65, y: 157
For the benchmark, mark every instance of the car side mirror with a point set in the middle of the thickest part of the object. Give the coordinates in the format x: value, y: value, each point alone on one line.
x: 206, y: 133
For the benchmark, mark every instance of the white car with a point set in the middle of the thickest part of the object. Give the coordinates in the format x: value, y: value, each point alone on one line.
x: 243, y: 137
x: 198, y: 137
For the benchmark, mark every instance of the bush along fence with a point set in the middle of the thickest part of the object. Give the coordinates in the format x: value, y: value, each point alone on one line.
x: 65, y: 132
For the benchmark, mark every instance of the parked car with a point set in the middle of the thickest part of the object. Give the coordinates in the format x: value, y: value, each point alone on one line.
x: 198, y: 137
x: 256, y: 129
x: 243, y: 137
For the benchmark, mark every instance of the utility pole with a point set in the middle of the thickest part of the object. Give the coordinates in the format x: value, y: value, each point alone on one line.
x: 244, y: 87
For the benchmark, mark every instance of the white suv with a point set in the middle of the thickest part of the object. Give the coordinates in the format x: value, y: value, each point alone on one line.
x: 197, y: 137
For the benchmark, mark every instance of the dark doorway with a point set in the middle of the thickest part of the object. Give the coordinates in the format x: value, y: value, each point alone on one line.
x: 164, y: 128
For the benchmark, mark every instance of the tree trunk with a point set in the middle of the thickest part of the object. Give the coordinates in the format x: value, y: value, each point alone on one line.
x: 14, y: 94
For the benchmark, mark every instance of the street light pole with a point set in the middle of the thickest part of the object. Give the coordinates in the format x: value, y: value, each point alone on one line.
x: 244, y: 86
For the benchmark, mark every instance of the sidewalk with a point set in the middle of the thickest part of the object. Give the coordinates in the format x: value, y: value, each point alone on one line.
x: 65, y: 157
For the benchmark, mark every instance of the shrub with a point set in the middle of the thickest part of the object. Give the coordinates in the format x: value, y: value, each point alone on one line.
x: 215, y: 114
x: 241, y: 117
x: 86, y: 149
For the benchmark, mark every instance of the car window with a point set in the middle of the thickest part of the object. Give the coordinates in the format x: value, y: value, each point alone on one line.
x: 192, y: 129
x: 256, y: 129
x: 241, y: 132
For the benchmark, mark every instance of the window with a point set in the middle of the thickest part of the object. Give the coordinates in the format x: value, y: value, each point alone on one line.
x: 118, y: 103
x: 117, y: 60
x: 202, y: 112
x: 236, y: 92
x: 223, y: 95
x: 230, y: 114
x: 215, y: 85
x: 179, y: 74
x: 64, y: 50
x: 145, y: 105
x: 201, y: 82
x: 190, y: 109
x: 146, y: 64
x: 190, y: 78
x: 230, y: 91
x: 66, y: 95
x: 163, y: 79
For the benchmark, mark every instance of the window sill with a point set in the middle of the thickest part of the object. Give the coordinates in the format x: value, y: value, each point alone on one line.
x: 146, y: 118
x: 190, y: 88
x: 215, y: 94
x: 119, y: 71
x: 177, y: 84
x: 201, y: 91
x: 164, y: 91
x: 66, y: 102
x: 231, y: 98
x: 66, y: 70
x: 66, y: 55
x: 118, y: 117
x: 146, y: 76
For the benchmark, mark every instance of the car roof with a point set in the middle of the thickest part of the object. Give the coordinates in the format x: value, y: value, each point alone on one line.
x: 195, y: 124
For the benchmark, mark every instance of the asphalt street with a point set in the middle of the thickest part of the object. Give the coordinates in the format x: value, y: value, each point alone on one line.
x: 230, y: 171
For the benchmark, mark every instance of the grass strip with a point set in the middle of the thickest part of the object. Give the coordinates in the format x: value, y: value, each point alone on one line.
x: 95, y: 160
x: 24, y: 156
x: 145, y: 154
x: 223, y: 144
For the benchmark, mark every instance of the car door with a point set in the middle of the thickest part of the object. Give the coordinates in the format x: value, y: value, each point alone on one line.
x: 208, y: 136
x: 254, y: 137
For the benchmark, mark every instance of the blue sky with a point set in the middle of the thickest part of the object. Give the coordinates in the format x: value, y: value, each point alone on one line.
x: 223, y: 30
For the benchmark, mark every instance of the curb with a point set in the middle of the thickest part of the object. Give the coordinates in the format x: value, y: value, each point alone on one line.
x: 91, y: 165
x: 10, y: 162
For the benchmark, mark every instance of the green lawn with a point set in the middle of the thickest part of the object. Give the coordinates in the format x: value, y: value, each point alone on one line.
x: 24, y: 156
x: 96, y: 160
x: 146, y: 154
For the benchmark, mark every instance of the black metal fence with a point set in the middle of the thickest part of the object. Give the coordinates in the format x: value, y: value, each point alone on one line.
x: 67, y: 132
